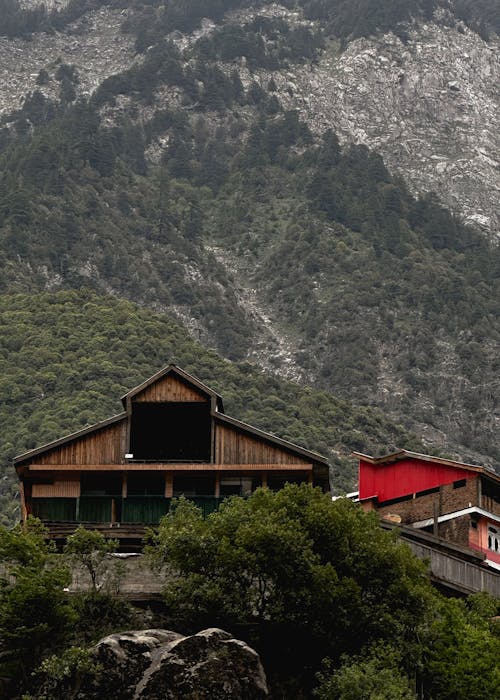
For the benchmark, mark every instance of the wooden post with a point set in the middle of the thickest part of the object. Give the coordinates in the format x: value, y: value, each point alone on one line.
x: 169, y: 485
x: 264, y: 479
x: 217, y: 484
x: 24, y: 512
x: 124, y: 484
x: 310, y: 478
x: 128, y: 403
x: 435, y: 525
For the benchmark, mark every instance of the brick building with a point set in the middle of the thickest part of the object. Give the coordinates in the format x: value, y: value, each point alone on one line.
x: 458, y: 502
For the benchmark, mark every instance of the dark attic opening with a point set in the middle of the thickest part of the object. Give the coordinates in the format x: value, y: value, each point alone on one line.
x: 170, y: 431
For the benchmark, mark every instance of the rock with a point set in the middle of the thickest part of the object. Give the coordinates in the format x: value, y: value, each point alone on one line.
x: 163, y: 665
x: 210, y: 664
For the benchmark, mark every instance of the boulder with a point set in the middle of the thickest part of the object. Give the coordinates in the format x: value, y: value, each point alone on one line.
x: 160, y: 664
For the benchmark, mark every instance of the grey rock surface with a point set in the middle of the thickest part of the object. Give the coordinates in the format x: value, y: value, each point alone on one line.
x: 159, y: 664
x: 430, y: 106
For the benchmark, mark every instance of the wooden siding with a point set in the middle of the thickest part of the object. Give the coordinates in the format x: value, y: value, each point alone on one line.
x: 170, y: 388
x: 166, y: 467
x: 68, y: 487
x: 104, y: 446
x: 233, y: 446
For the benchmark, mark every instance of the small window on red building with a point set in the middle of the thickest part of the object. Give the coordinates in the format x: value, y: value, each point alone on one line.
x: 459, y: 484
x: 473, y: 524
x: 493, y: 539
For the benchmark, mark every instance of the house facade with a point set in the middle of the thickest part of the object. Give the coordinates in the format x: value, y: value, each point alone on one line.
x: 172, y: 438
x: 455, y: 501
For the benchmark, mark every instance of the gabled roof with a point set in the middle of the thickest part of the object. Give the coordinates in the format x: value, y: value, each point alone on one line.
x: 69, y: 438
x: 218, y: 415
x: 184, y: 376
x: 250, y: 430
x: 406, y: 454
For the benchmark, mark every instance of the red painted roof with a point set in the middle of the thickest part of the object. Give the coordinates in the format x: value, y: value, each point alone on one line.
x: 403, y: 473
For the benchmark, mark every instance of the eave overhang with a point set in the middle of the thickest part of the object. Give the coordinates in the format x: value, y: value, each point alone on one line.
x: 68, y: 438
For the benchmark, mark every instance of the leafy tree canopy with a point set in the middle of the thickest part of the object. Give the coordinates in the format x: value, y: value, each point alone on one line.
x: 67, y: 357
x: 313, y: 576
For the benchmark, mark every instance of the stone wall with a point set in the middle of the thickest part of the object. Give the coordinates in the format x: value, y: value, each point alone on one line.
x: 129, y: 577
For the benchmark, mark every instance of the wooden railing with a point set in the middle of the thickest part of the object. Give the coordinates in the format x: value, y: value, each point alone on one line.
x: 452, y: 566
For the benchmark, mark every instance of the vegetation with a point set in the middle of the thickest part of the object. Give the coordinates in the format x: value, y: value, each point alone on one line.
x: 34, y: 610
x: 356, y: 269
x: 67, y: 357
x: 89, y: 550
x: 294, y: 572
x: 373, y: 674
x: 376, y: 289
x: 313, y: 585
x: 44, y: 634
x: 151, y: 20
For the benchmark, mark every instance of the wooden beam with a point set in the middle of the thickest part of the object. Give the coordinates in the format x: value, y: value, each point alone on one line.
x: 196, y: 467
x: 169, y: 485
x: 24, y: 512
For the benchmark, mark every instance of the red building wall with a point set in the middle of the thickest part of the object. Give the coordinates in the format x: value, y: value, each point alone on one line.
x: 478, y: 539
x: 406, y: 476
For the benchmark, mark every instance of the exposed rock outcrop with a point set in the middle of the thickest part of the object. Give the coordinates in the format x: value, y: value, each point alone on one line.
x: 429, y: 105
x: 159, y: 664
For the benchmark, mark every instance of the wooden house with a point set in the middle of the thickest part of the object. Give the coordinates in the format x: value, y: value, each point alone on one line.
x: 455, y: 501
x: 172, y: 438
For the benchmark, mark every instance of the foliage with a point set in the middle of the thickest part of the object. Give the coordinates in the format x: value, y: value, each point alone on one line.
x: 373, y: 675
x: 64, y: 673
x: 374, y: 289
x: 100, y: 613
x: 365, y: 17
x: 35, y: 613
x: 316, y: 577
x: 90, y: 550
x: 462, y: 652
x: 67, y: 357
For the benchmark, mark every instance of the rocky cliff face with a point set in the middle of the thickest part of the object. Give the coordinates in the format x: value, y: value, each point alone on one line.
x: 430, y: 105
x: 428, y: 102
x: 426, y: 99
x: 93, y: 44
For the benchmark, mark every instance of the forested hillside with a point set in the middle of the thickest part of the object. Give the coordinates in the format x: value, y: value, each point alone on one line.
x: 68, y: 357
x: 183, y: 184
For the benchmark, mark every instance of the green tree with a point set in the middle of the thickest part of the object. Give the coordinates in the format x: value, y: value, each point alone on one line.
x: 316, y: 578
x: 462, y: 652
x: 35, y: 614
x: 374, y: 675
x: 90, y: 550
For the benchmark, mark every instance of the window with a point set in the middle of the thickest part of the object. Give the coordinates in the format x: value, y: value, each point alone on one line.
x: 493, y: 539
x: 427, y: 491
x: 236, y: 485
x: 196, y: 485
x: 170, y: 431
x: 400, y: 499
x: 277, y: 480
x: 101, y: 484
x: 146, y: 483
x: 459, y: 484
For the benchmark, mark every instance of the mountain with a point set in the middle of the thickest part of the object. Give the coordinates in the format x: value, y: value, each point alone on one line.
x: 310, y: 187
